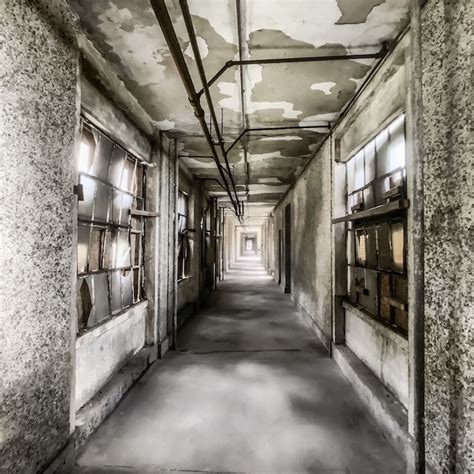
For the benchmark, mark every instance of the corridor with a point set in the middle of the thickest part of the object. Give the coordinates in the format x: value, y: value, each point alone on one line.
x: 249, y: 390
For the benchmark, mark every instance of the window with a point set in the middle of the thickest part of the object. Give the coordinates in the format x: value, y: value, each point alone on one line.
x: 376, y: 253
x: 183, y: 235
x: 110, y: 238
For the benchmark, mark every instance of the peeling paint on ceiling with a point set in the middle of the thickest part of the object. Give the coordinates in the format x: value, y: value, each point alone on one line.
x: 127, y: 34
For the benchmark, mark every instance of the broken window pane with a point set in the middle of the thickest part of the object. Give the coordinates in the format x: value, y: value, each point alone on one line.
x: 101, y: 297
x: 89, y: 189
x: 102, y: 157
x: 101, y: 204
x: 115, y: 291
x: 136, y: 285
x: 123, y: 250
x: 127, y: 290
x: 383, y: 247
x: 95, y: 250
x: 84, y: 302
x: 117, y: 166
x: 398, y: 246
x: 82, y: 248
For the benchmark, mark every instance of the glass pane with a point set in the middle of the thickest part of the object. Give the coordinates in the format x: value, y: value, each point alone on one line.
x: 101, y: 297
x: 121, y: 206
x: 95, y: 250
x: 350, y: 175
x: 368, y: 199
x: 82, y: 248
x: 101, y: 207
x: 383, y: 247
x: 398, y: 247
x: 135, y: 248
x: 110, y: 249
x: 128, y: 175
x: 369, y: 152
x: 123, y: 250
x: 139, y: 180
x: 136, y: 223
x: 370, y: 300
x: 381, y: 145
x: 359, y: 173
x: 360, y: 247
x: 371, y: 247
x: 385, y: 293
x: 117, y: 166
x: 136, y: 285
x: 127, y: 289
x: 115, y: 292
x: 84, y: 302
x: 397, y: 143
x: 86, y: 151
x: 102, y: 157
x: 350, y: 248
x: 400, y: 291
x: 89, y: 189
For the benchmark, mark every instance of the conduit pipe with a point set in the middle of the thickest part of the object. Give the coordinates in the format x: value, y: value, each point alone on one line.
x: 202, y: 74
x: 163, y: 18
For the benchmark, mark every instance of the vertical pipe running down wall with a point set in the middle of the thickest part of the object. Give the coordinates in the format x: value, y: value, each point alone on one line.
x: 418, y: 343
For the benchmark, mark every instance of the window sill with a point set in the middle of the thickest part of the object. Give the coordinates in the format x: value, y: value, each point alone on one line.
x: 390, y: 332
x: 375, y: 211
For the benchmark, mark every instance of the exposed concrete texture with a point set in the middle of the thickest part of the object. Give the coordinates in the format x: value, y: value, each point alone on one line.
x: 101, y: 351
x: 38, y: 109
x: 252, y: 391
x: 384, y: 351
x: 447, y: 113
x: 310, y: 201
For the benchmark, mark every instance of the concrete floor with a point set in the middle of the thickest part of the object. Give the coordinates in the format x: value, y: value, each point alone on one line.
x: 250, y: 390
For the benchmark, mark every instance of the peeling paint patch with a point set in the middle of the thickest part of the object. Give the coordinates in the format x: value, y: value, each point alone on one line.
x: 323, y: 86
x: 203, y: 48
x: 356, y: 11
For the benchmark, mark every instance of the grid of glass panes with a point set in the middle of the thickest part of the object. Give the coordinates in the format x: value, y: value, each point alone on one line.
x: 377, y: 245
x: 110, y: 239
x: 182, y: 212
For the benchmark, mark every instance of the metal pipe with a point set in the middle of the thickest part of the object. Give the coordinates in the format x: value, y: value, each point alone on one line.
x: 202, y: 74
x: 162, y: 15
x: 304, y: 59
x: 418, y: 325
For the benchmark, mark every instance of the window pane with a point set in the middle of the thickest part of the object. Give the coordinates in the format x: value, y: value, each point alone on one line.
x: 115, y: 292
x: 121, y: 206
x: 371, y: 247
x: 369, y: 152
x: 86, y: 151
x: 123, y: 250
x: 84, y: 302
x: 127, y: 289
x: 135, y: 248
x: 136, y: 285
x: 381, y: 145
x: 359, y: 179
x: 350, y: 248
x: 400, y: 291
x: 360, y: 247
x: 110, y: 249
x: 101, y: 204
x: 89, y: 189
x: 385, y: 293
x: 139, y: 177
x: 102, y: 157
x: 398, y: 246
x: 383, y: 247
x: 350, y: 175
x: 101, y: 297
x: 95, y: 250
x: 128, y: 175
x: 397, y: 143
x: 117, y: 166
x: 82, y: 248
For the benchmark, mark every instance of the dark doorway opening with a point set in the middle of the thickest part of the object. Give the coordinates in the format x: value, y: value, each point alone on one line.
x: 288, y: 249
x: 280, y: 250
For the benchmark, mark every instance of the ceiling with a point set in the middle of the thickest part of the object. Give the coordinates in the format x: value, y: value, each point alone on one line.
x: 127, y: 34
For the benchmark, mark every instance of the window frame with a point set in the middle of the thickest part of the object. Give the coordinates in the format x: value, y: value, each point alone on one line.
x: 182, y: 270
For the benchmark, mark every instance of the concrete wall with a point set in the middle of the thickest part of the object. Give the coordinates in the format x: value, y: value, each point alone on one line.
x: 448, y: 199
x: 39, y: 111
x: 103, y: 350
x: 384, y: 351
x: 310, y: 201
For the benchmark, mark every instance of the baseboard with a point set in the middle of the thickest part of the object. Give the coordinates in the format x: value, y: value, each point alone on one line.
x: 386, y: 410
x: 311, y: 322
x: 102, y: 404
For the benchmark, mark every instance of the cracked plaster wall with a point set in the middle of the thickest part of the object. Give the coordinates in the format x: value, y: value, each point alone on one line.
x: 447, y: 114
x: 38, y: 70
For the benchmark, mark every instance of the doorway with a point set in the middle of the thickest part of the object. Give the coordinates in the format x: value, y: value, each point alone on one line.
x: 288, y: 249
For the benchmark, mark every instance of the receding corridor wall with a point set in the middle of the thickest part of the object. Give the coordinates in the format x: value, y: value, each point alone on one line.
x: 447, y: 137
x: 310, y: 201
x: 39, y: 111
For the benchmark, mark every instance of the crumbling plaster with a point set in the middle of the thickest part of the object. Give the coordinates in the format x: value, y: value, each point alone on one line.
x: 39, y: 110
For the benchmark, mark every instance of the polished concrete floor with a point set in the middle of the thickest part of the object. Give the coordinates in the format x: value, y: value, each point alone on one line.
x: 250, y: 390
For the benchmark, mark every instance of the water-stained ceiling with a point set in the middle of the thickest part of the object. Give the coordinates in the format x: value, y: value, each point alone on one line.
x: 275, y: 95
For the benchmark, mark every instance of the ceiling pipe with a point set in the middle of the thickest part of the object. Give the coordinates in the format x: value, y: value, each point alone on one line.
x: 305, y: 59
x: 163, y: 18
x: 202, y: 74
